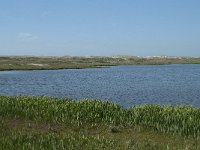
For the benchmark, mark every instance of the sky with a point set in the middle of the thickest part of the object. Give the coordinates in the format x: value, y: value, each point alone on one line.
x: 100, y: 27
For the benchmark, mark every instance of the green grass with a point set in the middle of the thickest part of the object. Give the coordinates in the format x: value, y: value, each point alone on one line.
x: 67, y: 62
x: 52, y: 123
x: 25, y: 140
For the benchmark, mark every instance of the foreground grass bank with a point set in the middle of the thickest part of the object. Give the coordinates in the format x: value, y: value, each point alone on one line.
x: 67, y: 62
x: 51, y: 123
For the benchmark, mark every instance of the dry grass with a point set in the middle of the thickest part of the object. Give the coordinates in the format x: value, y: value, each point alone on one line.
x: 67, y: 62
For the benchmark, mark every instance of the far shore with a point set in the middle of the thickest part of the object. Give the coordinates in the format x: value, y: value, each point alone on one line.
x: 81, y: 62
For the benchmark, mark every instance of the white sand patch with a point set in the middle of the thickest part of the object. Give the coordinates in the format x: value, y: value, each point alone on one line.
x: 38, y: 64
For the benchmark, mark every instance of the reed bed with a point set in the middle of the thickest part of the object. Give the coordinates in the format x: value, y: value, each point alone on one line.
x: 174, y: 120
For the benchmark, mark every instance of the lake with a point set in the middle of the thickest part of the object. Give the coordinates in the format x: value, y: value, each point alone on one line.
x: 125, y: 85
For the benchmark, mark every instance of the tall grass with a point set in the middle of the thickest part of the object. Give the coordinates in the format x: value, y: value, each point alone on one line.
x: 182, y: 120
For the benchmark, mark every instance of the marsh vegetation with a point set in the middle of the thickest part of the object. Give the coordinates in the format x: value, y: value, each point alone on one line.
x: 52, y: 123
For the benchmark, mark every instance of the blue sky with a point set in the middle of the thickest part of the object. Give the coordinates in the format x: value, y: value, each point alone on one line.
x: 100, y: 27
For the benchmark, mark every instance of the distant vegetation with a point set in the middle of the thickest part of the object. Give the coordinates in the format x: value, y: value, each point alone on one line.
x: 31, y: 63
x: 51, y: 123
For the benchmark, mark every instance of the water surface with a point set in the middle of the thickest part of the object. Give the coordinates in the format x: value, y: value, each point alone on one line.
x: 125, y: 85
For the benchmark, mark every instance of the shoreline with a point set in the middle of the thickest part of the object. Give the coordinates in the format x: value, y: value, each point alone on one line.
x: 70, y: 62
